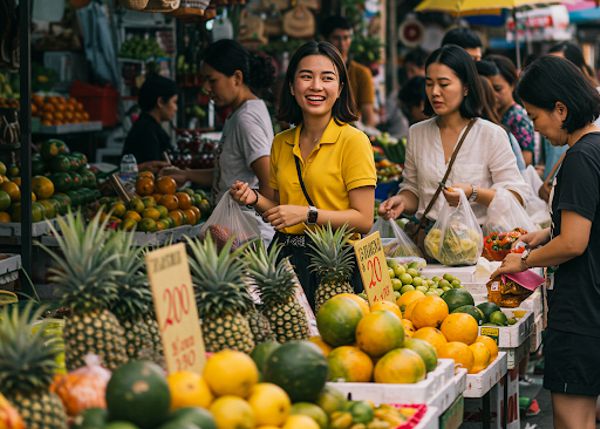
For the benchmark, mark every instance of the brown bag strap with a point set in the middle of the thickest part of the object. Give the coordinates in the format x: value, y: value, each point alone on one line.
x: 442, y: 184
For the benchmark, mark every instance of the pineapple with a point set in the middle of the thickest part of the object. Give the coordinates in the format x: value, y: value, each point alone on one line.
x: 275, y: 281
x: 134, y: 306
x: 332, y: 259
x: 27, y: 366
x: 259, y: 325
x: 221, y: 295
x: 85, y: 276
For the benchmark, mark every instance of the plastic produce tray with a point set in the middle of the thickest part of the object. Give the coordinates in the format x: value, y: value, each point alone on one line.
x: 481, y: 383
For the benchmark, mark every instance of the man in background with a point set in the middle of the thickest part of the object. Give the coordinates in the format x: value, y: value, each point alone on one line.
x: 466, y: 39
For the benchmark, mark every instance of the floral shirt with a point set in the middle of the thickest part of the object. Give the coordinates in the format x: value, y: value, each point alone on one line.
x: 520, y: 126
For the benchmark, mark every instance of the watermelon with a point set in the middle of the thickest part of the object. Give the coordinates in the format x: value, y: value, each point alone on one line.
x: 60, y: 164
x: 299, y: 368
x: 488, y: 308
x: 457, y: 298
x: 473, y: 311
x: 138, y: 392
x: 197, y: 416
x: 261, y: 353
x: 92, y: 418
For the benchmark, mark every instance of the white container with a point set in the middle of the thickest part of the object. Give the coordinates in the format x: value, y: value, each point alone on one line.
x: 514, y: 356
x: 450, y: 391
x: 481, y: 383
x: 430, y: 419
x: 511, y: 336
x: 536, y: 333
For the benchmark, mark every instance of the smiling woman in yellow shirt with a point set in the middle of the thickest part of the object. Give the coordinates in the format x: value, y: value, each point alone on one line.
x: 334, y: 159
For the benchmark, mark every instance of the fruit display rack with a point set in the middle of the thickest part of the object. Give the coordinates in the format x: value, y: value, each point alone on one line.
x: 511, y: 336
x: 38, y: 229
x: 10, y: 264
x: 480, y: 384
x: 71, y: 128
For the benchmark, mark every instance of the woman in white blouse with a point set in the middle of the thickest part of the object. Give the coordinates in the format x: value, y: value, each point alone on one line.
x: 485, y: 161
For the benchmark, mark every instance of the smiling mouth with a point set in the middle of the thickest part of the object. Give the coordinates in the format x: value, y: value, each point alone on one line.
x: 315, y: 99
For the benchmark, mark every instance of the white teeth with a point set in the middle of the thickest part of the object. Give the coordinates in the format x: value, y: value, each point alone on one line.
x: 315, y: 98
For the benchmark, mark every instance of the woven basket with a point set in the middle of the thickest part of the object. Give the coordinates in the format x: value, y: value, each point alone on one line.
x: 134, y: 4
x: 164, y: 6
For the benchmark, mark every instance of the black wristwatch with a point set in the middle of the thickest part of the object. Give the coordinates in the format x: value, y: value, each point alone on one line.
x: 313, y: 214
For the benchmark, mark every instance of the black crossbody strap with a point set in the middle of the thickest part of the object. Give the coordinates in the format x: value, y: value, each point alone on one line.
x: 304, y: 191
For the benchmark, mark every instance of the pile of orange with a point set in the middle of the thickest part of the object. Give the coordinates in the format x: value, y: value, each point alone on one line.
x: 56, y: 110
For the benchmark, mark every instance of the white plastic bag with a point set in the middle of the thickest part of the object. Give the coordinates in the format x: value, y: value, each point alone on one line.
x: 536, y: 208
x: 229, y: 221
x: 505, y: 214
x: 395, y: 241
x: 455, y: 238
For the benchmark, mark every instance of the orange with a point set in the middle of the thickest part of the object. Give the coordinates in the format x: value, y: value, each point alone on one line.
x: 230, y: 372
x: 151, y: 213
x: 197, y: 212
x: 11, y: 189
x: 147, y: 225
x: 164, y: 212
x: 136, y: 204
x: 119, y: 209
x: 318, y: 341
x: 350, y: 364
x: 177, y: 216
x: 188, y: 389
x: 387, y: 305
x: 409, y: 297
x: 149, y: 202
x: 481, y: 357
x: 425, y: 350
x: 270, y: 404
x: 232, y: 412
x: 400, y: 366
x: 409, y: 329
x: 460, y: 327
x: 190, y: 216
x: 128, y: 224
x: 144, y: 186
x: 379, y: 332
x: 133, y: 215
x: 429, y: 311
x: 410, y: 307
x: 4, y: 217
x: 166, y: 185
x: 147, y: 174
x: 433, y: 336
x: 42, y: 187
x: 460, y: 352
x: 4, y: 200
x: 337, y: 320
x: 161, y: 225
x: 490, y: 344
x: 364, y: 305
x: 185, y: 201
x: 171, y: 202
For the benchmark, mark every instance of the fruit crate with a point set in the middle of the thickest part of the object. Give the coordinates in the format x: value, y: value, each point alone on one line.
x: 161, y: 237
x: 417, y: 393
x: 515, y: 355
x: 464, y: 274
x: 536, y: 333
x: 71, y: 128
x: 481, y: 383
x: 450, y: 391
x: 38, y: 229
x: 511, y: 336
x: 417, y: 417
x: 10, y: 264
x: 430, y: 420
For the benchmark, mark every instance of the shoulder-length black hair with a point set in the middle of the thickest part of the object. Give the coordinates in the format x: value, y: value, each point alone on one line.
x: 343, y: 110
x: 506, y: 67
x: 550, y: 79
x: 461, y: 63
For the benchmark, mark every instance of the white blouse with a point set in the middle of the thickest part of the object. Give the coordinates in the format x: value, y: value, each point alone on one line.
x: 485, y: 159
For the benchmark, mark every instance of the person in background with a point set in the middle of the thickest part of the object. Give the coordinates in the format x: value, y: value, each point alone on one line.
x: 573, y: 53
x: 232, y: 75
x: 147, y: 140
x: 486, y: 70
x: 564, y: 105
x: 331, y: 158
x: 512, y: 114
x: 412, y: 99
x: 466, y: 39
x: 414, y: 63
x: 338, y: 31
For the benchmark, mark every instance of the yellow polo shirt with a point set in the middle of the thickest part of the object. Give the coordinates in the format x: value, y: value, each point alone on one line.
x: 341, y: 161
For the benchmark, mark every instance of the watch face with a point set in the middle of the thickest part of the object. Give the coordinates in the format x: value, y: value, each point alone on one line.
x: 312, y: 215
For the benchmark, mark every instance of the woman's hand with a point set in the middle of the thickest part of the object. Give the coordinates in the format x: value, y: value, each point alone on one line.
x: 243, y: 193
x: 286, y: 215
x: 392, y: 207
x: 452, y: 194
x: 544, y: 191
x: 512, y: 263
x: 535, y: 238
x: 153, y: 166
x: 178, y: 174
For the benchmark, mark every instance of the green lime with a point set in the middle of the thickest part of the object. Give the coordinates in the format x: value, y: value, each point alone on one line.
x: 499, y: 318
x: 406, y: 279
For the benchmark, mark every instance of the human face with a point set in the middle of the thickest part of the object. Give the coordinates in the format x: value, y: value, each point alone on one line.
x: 549, y: 123
x: 445, y: 90
x: 475, y: 53
x: 168, y: 109
x: 341, y: 39
x: 503, y: 91
x: 222, y: 89
x: 416, y: 113
x: 316, y: 85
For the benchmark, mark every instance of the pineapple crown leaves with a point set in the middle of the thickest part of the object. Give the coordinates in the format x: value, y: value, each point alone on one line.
x: 217, y: 278
x: 85, y: 271
x: 331, y: 255
x: 273, y: 277
x: 134, y: 294
x: 27, y: 352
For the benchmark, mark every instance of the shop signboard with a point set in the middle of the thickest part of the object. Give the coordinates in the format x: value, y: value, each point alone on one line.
x: 541, y: 24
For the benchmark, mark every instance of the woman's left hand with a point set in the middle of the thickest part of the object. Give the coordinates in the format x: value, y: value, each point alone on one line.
x: 285, y: 215
x: 512, y: 263
x: 453, y: 196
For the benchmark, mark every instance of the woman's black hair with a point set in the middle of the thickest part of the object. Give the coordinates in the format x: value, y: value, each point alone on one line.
x: 463, y: 37
x: 413, y: 92
x: 486, y: 68
x: 550, y: 79
x: 461, y: 63
x: 573, y: 53
x: 343, y: 110
x: 226, y: 56
x: 153, y: 88
x: 506, y: 67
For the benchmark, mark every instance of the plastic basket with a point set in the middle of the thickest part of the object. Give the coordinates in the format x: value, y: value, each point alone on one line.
x: 100, y: 102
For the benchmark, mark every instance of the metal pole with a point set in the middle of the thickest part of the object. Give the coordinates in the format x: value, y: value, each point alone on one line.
x: 25, y: 119
x: 517, y: 43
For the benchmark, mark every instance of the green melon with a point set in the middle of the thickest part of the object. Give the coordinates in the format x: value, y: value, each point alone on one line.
x: 138, y: 392
x: 299, y: 368
x: 313, y: 411
x: 473, y: 311
x: 331, y: 400
x: 337, y: 320
x: 92, y: 418
x: 261, y: 353
x: 488, y: 308
x: 197, y: 416
x: 425, y: 350
x: 457, y: 298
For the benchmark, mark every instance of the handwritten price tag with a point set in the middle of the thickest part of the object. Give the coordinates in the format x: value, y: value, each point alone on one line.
x: 175, y: 305
x: 373, y: 268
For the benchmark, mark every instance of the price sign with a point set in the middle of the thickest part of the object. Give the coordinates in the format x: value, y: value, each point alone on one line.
x: 175, y: 305
x: 373, y: 268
